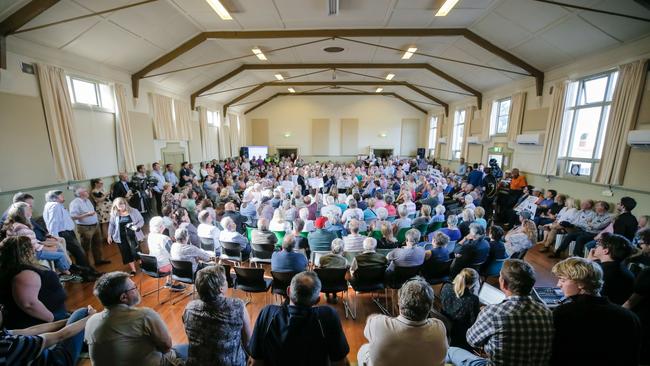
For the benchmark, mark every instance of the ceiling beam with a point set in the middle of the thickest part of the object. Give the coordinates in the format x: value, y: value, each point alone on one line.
x: 18, y: 19
x: 333, y: 33
x: 336, y: 93
x: 334, y: 83
x: 424, y: 66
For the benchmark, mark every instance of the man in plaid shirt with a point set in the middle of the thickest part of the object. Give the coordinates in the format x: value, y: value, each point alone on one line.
x: 518, y: 331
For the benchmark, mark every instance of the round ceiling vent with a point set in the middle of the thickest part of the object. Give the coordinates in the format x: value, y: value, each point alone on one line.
x: 333, y: 49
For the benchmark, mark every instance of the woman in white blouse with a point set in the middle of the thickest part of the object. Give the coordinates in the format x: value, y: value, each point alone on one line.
x: 568, y: 213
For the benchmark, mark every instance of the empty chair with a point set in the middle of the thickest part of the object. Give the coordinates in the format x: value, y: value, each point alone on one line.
x: 182, y: 272
x: 149, y: 266
x: 261, y: 253
x: 435, y: 272
x: 249, y: 231
x: 207, y: 244
x: 280, y: 235
x: 366, y: 280
x: 251, y: 280
x: 377, y: 234
x: 333, y: 281
x: 231, y: 252
x: 281, y: 280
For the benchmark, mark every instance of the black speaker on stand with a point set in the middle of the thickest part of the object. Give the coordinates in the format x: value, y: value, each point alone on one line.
x: 243, y: 152
x: 421, y: 152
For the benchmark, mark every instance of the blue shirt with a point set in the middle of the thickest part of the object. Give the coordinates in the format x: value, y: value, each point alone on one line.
x: 160, y: 180
x: 453, y: 234
x: 284, y: 261
x: 171, y: 178
x: 475, y: 177
x: 57, y: 218
x: 439, y: 254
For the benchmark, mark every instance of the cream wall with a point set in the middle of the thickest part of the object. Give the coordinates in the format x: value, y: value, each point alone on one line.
x: 376, y: 115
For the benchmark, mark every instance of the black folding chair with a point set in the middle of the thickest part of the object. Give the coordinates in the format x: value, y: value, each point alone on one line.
x: 231, y: 252
x: 333, y: 282
x: 281, y: 280
x: 368, y: 280
x: 182, y: 272
x: 251, y: 280
x: 149, y: 266
x: 207, y: 244
x: 435, y: 272
x: 261, y: 253
x: 397, y: 279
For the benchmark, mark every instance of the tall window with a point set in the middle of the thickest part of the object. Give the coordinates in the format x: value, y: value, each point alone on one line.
x: 433, y: 129
x: 91, y: 93
x: 459, y: 127
x: 500, y: 117
x: 584, y: 123
x: 214, y: 119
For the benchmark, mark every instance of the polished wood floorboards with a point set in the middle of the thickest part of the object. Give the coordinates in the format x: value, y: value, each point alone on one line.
x: 80, y: 294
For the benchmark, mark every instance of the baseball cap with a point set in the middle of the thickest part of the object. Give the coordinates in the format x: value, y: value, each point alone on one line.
x: 320, y: 222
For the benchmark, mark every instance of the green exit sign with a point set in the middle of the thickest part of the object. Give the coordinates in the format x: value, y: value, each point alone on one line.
x: 497, y: 149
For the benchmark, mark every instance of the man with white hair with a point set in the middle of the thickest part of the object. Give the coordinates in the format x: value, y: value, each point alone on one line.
x: 410, y: 255
x: 262, y: 235
x: 353, y: 241
x: 229, y: 234
x: 160, y: 246
x: 335, y: 258
x: 469, y: 202
x: 207, y: 230
x: 369, y: 258
x: 83, y: 213
x: 352, y: 211
x: 331, y: 208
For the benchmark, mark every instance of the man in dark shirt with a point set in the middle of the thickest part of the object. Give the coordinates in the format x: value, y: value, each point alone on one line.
x: 610, y: 251
x: 185, y: 174
x: 475, y: 177
x: 585, y: 316
x: 475, y: 250
x: 639, y: 303
x: 239, y: 219
x: 626, y: 224
x: 301, y: 333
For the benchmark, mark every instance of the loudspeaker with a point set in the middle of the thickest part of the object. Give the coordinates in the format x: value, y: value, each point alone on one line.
x: 243, y: 152
x: 421, y: 152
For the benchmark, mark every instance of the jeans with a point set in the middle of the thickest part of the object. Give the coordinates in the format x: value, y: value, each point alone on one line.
x: 60, y: 261
x: 182, y: 350
x: 67, y: 352
x: 460, y: 357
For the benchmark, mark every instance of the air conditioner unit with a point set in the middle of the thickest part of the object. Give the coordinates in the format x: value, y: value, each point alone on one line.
x: 639, y: 139
x: 442, y: 140
x: 473, y: 140
x: 530, y: 139
x: 333, y: 7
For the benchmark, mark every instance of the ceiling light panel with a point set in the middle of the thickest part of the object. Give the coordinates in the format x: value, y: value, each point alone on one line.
x: 446, y: 8
x: 390, y: 76
x: 259, y: 54
x: 221, y: 10
x: 291, y: 90
x: 379, y: 90
x: 279, y: 76
x: 409, y: 53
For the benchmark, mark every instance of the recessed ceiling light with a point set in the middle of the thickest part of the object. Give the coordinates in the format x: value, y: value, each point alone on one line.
x: 409, y: 53
x: 259, y: 54
x: 291, y: 90
x: 279, y: 76
x: 390, y: 76
x: 446, y: 8
x: 379, y: 90
x: 333, y: 49
x: 221, y: 10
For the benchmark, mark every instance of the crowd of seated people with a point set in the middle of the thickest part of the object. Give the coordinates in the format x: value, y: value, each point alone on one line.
x: 370, y: 214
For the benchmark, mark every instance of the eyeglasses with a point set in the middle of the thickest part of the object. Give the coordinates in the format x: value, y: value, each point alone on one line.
x: 131, y: 289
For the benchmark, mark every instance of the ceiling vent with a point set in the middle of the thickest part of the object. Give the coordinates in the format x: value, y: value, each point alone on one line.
x: 332, y: 7
x: 333, y: 49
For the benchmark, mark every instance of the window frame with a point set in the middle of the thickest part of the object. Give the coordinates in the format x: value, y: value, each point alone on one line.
x: 494, y: 117
x: 454, y: 136
x: 216, y: 118
x: 573, y: 107
x: 70, y: 78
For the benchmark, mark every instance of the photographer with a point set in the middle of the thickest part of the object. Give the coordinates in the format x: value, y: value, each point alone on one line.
x: 142, y: 186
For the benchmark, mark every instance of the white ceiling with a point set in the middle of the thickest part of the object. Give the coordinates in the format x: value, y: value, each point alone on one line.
x: 543, y: 35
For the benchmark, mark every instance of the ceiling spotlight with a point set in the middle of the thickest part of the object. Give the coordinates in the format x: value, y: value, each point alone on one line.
x: 409, y: 53
x: 259, y: 54
x: 291, y: 90
x: 218, y: 7
x: 379, y: 90
x: 446, y: 8
x: 390, y: 76
x: 279, y: 77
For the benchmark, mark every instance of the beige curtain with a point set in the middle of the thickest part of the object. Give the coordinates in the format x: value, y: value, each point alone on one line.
x: 183, y: 114
x: 163, y: 121
x: 469, y: 116
x: 224, y: 139
x: 554, y: 129
x: 125, y: 148
x: 486, y: 115
x: 234, y: 135
x: 59, y: 120
x: 517, y: 107
x: 441, y: 121
x: 205, y: 133
x: 622, y: 118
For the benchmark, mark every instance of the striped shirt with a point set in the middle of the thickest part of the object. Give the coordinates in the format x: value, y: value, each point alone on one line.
x: 518, y: 331
x: 19, y: 350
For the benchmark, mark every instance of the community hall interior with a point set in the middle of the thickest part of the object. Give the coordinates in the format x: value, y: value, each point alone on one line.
x: 324, y: 182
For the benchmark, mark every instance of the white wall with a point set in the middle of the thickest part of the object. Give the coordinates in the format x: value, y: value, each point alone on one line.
x: 376, y: 115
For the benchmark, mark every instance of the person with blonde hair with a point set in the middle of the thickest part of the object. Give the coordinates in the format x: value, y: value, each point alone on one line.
x: 461, y: 305
x: 125, y: 230
x: 567, y: 214
x: 585, y: 316
x: 479, y: 214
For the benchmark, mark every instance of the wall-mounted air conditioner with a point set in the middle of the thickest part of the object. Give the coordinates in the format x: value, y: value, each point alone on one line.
x: 639, y: 139
x: 442, y: 140
x: 530, y: 139
x: 473, y: 140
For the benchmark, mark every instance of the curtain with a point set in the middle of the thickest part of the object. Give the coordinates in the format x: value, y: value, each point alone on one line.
x: 234, y: 135
x: 517, y: 107
x: 59, y: 120
x: 205, y: 134
x: 183, y: 114
x: 469, y: 116
x: 554, y: 129
x: 125, y: 148
x: 486, y: 114
x: 163, y: 121
x: 622, y: 119
x: 224, y: 139
x: 441, y: 121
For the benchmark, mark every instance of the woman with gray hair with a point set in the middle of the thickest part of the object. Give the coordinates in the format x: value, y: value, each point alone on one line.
x: 516, y: 243
x: 217, y: 327
x: 411, y: 255
x: 398, y: 341
x: 403, y: 221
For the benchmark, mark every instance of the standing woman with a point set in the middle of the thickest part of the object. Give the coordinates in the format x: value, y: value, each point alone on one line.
x: 125, y: 229
x: 102, y: 204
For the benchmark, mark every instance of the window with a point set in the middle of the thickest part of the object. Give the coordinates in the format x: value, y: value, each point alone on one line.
x: 433, y: 130
x: 90, y: 93
x: 457, y: 140
x: 500, y: 117
x: 584, y: 123
x: 214, y: 119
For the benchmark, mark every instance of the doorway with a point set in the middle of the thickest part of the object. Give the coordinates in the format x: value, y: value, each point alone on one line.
x: 382, y: 153
x: 282, y: 152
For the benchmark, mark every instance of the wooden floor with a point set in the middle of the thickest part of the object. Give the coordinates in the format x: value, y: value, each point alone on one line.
x: 80, y: 294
